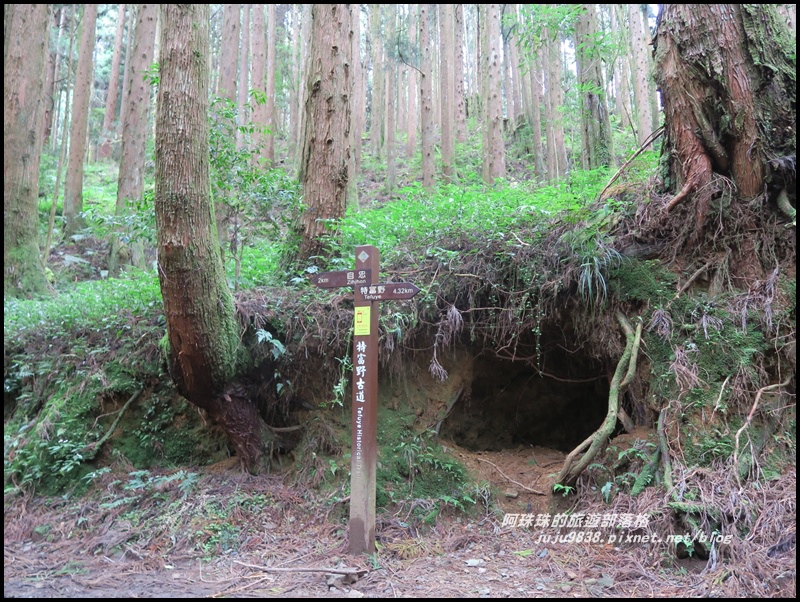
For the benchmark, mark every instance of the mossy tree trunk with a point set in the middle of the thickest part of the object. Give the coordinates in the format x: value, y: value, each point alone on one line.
x: 23, y: 124
x: 202, y: 329
x: 727, y: 75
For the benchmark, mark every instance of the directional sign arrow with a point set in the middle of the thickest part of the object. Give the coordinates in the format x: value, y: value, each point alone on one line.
x: 387, y: 292
x: 341, y: 278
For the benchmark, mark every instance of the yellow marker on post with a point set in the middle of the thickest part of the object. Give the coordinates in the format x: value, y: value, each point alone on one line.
x: 362, y: 321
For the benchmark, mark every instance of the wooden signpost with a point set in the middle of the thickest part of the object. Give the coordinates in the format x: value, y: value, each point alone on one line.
x: 368, y: 293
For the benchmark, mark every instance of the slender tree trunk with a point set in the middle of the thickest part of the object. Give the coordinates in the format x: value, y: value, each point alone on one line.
x: 359, y: 104
x: 126, y: 72
x: 23, y: 124
x: 509, y: 84
x: 325, y: 171
x: 391, y: 106
x: 494, y: 158
x: 426, y: 96
x: 535, y: 79
x: 269, y: 149
x: 378, y: 77
x: 50, y: 85
x: 413, y: 77
x: 641, y: 73
x: 459, y: 68
x: 229, y: 52
x: 294, y: 104
x: 104, y: 152
x: 243, y: 90
x: 258, y: 51
x: 130, y: 180
x: 73, y: 186
x: 447, y: 87
x: 62, y: 156
x: 201, y: 327
x: 517, y: 81
x: 622, y: 70
x: 556, y: 150
x: 226, y: 88
x: 595, y: 123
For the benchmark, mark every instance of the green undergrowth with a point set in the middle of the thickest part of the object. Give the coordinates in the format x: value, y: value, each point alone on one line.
x: 413, y: 466
x: 418, y: 222
x: 88, y: 304
x: 71, y: 363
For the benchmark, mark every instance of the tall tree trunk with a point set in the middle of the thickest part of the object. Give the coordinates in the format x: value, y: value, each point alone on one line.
x: 595, y: 123
x: 108, y: 133
x: 243, y: 90
x: 556, y: 150
x: 258, y: 50
x: 201, y: 325
x: 226, y: 88
x: 642, y: 72
x: 53, y: 63
x: 459, y: 68
x: 535, y: 78
x: 517, y: 81
x: 229, y: 52
x: 23, y: 124
x: 510, y: 84
x: 73, y: 185
x: 326, y: 164
x: 269, y: 148
x: 413, y: 94
x: 447, y: 87
x: 391, y: 104
x: 378, y: 77
x: 494, y: 158
x: 130, y: 179
x: 426, y: 96
x: 622, y: 70
x: 727, y: 75
x: 358, y: 110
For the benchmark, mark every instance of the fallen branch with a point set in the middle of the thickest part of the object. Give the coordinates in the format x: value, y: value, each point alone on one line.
x: 650, y: 139
x: 510, y: 480
x: 269, y: 569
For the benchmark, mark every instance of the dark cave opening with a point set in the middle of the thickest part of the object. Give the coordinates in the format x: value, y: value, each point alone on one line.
x: 509, y: 404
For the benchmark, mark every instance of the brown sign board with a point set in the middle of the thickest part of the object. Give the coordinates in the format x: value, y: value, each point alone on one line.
x: 364, y: 425
x: 342, y: 278
x: 390, y: 291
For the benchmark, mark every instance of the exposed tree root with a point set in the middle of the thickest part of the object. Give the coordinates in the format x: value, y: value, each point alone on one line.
x: 664, y: 446
x: 99, y: 443
x: 596, y: 443
x: 747, y: 422
x: 510, y: 480
x: 785, y: 206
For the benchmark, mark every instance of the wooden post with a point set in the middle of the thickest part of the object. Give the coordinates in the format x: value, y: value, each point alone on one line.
x: 365, y: 409
x: 364, y: 456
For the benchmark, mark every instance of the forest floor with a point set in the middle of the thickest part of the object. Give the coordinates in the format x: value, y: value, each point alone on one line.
x: 237, y: 535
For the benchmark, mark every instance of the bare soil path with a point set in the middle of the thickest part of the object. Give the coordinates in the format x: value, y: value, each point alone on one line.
x: 217, y: 540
